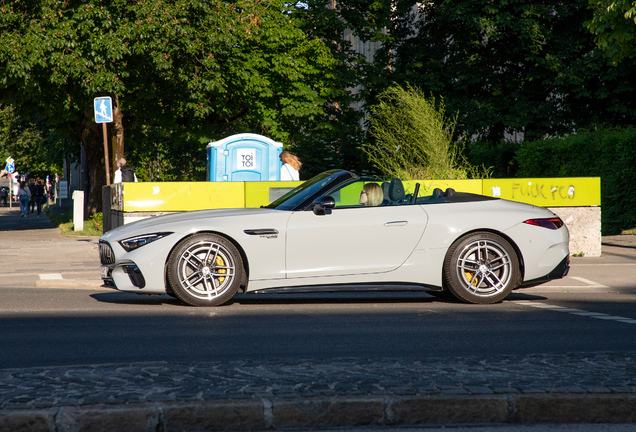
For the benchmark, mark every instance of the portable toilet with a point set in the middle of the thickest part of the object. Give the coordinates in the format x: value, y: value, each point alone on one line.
x: 244, y: 157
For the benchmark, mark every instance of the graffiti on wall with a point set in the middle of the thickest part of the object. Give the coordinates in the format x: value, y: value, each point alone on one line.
x: 549, y: 192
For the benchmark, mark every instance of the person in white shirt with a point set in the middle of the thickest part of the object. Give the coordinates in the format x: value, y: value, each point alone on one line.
x: 118, y: 174
x: 290, y: 168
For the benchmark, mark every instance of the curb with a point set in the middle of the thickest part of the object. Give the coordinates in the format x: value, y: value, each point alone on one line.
x: 336, y: 412
x: 70, y: 283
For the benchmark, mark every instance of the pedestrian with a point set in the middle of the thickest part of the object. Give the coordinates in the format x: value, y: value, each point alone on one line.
x: 4, y: 193
x: 24, y: 195
x: 124, y: 173
x: 32, y: 190
x: 39, y: 196
x: 49, y: 189
x: 290, y: 168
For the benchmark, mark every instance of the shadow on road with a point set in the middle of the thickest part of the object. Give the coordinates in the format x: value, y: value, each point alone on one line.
x: 304, y: 298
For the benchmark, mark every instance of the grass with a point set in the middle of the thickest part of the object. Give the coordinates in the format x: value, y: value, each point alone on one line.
x: 63, y: 218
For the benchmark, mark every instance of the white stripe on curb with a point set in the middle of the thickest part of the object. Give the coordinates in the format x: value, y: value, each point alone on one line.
x: 51, y: 276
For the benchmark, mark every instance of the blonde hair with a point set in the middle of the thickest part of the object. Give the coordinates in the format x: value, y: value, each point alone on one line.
x: 374, y: 194
x: 288, y: 158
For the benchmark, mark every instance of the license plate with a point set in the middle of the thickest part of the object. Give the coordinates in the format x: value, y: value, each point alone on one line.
x: 104, y: 271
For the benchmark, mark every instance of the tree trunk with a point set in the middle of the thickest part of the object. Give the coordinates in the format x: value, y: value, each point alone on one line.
x: 118, y: 139
x: 93, y: 141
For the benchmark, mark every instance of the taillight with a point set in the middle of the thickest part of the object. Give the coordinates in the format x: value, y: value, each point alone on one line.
x: 549, y: 223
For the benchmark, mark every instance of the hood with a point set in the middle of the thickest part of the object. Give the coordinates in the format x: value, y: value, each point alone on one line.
x: 148, y: 223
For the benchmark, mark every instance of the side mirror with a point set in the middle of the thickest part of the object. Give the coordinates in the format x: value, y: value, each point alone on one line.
x: 323, y: 203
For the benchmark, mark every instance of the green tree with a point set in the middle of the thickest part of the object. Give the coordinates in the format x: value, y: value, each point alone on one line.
x: 34, y: 148
x: 521, y: 68
x: 192, y: 68
x: 614, y: 25
x: 336, y: 140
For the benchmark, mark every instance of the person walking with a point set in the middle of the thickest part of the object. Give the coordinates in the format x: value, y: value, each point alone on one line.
x: 124, y: 173
x: 38, y: 196
x: 24, y: 195
x: 32, y: 190
x: 290, y: 168
x: 4, y: 194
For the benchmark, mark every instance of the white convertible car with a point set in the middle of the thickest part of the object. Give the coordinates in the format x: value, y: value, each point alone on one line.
x: 341, y: 232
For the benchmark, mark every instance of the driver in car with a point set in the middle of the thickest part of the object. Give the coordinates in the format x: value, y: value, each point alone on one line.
x: 371, y: 195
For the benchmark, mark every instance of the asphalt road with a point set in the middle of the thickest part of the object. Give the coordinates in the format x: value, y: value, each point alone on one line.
x: 592, y: 310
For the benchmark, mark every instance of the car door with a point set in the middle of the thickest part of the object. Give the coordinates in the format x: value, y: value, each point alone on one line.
x: 352, y: 241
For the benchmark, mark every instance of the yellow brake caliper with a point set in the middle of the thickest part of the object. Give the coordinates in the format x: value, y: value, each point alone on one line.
x: 219, y: 262
x: 469, y: 277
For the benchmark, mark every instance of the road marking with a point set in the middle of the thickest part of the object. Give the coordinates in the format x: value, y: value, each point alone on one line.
x: 587, y: 281
x: 579, y: 312
x: 590, y: 284
x: 51, y: 276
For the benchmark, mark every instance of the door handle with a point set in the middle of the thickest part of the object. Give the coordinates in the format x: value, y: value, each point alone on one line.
x: 395, y: 223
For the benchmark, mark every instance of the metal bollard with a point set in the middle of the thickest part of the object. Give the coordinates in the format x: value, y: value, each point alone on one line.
x: 78, y: 210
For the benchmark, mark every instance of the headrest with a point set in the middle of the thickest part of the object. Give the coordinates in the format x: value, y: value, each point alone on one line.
x: 449, y: 192
x: 385, y: 190
x: 396, y: 190
x: 437, y: 192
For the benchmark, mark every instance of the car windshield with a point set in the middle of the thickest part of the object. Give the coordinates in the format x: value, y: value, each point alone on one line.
x: 296, y: 196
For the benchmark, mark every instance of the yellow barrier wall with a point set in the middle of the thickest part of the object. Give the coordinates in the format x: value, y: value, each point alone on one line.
x: 186, y: 196
x: 182, y: 196
x: 547, y: 192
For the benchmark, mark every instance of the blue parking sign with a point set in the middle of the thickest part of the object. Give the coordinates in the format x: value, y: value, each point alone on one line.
x: 103, y: 109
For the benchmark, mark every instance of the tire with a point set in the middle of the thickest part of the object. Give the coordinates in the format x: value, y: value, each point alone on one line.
x: 205, y: 270
x: 481, y: 268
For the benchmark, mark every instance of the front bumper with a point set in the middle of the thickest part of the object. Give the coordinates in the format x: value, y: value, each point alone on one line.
x: 111, y: 270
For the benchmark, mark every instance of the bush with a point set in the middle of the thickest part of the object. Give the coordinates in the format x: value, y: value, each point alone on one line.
x: 499, y: 158
x: 606, y: 153
x: 413, y: 138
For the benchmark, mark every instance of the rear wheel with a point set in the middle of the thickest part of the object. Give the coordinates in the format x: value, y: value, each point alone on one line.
x: 481, y: 268
x: 205, y: 270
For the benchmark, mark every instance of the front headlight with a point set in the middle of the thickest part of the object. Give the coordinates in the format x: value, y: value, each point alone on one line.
x: 142, y: 240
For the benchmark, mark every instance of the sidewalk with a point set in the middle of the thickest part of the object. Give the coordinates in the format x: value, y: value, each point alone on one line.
x: 310, y: 394
x: 35, y: 254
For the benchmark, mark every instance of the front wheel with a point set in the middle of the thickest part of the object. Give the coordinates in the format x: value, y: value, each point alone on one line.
x: 205, y: 270
x: 481, y: 268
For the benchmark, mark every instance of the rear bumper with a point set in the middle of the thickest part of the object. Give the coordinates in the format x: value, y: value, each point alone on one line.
x: 559, y: 272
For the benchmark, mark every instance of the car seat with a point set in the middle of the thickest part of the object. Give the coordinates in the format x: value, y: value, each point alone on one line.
x: 385, y: 194
x: 449, y: 192
x: 396, y: 191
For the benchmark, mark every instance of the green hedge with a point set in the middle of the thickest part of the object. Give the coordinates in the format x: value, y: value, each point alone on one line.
x: 608, y: 153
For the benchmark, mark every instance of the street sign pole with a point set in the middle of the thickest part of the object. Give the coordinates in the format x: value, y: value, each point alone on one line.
x: 104, y: 114
x: 106, y: 154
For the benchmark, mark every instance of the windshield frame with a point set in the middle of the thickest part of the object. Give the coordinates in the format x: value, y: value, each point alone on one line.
x: 303, y: 195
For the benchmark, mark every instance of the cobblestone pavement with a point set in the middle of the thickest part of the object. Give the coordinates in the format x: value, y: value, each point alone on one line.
x: 599, y: 373
x: 248, y: 395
